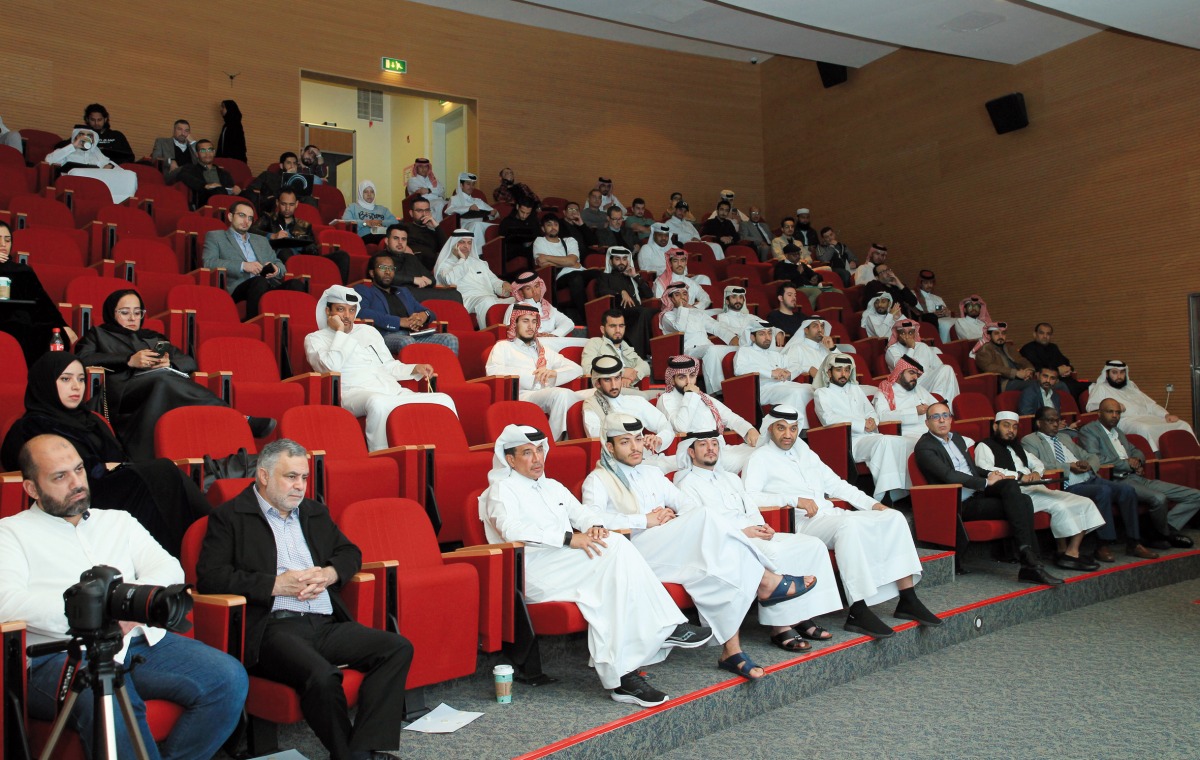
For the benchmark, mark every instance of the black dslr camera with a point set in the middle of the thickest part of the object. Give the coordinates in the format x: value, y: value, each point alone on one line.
x: 101, y: 598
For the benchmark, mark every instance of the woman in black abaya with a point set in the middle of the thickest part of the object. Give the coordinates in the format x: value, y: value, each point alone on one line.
x: 162, y: 498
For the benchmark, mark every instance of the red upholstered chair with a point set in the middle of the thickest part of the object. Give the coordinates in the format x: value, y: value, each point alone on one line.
x: 216, y: 315
x: 269, y: 703
x: 15, y: 180
x: 471, y: 397
x: 13, y: 381
x: 12, y: 158
x: 741, y: 392
x: 321, y: 271
x: 121, y: 222
x: 238, y: 169
x: 1008, y: 401
x: 340, y: 240
x: 495, y: 314
x: 330, y: 201
x: 416, y: 580
x: 86, y: 295
x: 38, y: 144
x: 146, y: 174
x: 343, y: 470
x: 85, y: 197
x: 972, y: 406
x: 458, y: 320
x: 50, y: 245
x: 1182, y: 471
x: 568, y: 462
x: 457, y: 468
x: 187, y: 433
x: 191, y: 229
x: 295, y: 317
x: 1068, y: 409
x: 36, y: 211
x: 1178, y: 443
x: 166, y: 205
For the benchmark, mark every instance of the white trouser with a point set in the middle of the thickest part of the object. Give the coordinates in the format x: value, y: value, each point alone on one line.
x: 940, y: 380
x: 1069, y: 513
x: 788, y: 392
x: 799, y: 555
x: 377, y: 406
x: 873, y: 550
x: 555, y: 402
x: 629, y: 613
x: 886, y: 457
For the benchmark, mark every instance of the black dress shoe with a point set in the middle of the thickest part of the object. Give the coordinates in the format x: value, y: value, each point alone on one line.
x: 1067, y: 562
x: 1180, y: 541
x: 1157, y: 543
x: 1037, y: 574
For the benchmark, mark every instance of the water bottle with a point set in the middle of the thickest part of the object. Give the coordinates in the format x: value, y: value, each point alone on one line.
x: 56, y: 340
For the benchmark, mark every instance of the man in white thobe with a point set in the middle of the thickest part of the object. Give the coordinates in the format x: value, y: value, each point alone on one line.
x: 540, y: 370
x: 685, y: 232
x: 721, y: 570
x: 556, y: 327
x: 608, y: 199
x: 606, y: 373
x: 370, y: 375
x: 425, y: 183
x: 705, y: 484
x: 689, y: 408
x: 938, y: 376
x: 879, y: 316
x: 474, y: 214
x: 677, y: 271
x: 1071, y: 516
x: 865, y: 273
x: 460, y: 264
x: 972, y: 318
x: 809, y: 347
x: 678, y: 316
x: 758, y: 355
x: 1139, y: 414
x: 838, y: 398
x: 902, y: 399
x: 571, y: 557
x: 735, y: 315
x: 652, y: 256
x: 873, y: 546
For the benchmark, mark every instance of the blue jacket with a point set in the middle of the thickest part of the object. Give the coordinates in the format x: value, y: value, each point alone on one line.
x: 375, y: 307
x: 1031, y: 400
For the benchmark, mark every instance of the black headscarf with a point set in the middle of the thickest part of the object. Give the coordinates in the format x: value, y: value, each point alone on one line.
x: 109, y: 314
x: 233, y: 114
x: 45, y: 413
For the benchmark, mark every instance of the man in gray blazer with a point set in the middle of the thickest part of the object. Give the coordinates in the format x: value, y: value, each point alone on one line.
x: 1103, y: 439
x: 756, y: 232
x: 252, y: 267
x: 942, y: 458
x: 1055, y: 448
x: 175, y: 151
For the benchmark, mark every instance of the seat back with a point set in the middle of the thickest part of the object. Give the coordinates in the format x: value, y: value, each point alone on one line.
x: 189, y: 552
x: 93, y: 290
x: 11, y: 157
x: 1178, y: 443
x: 146, y: 255
x: 1139, y: 442
x: 504, y: 413
x: 238, y: 169
x: 393, y: 528
x: 84, y: 195
x: 12, y: 356
x: 38, y: 144
x: 129, y: 222
x: 454, y: 314
x: 331, y: 202
x: 329, y: 428
x: 426, y: 424
x: 971, y: 405
x: 322, y: 271
x: 14, y: 180
x: 301, y: 309
x: 495, y: 314
x: 165, y: 204
x: 248, y: 359
x: 210, y: 304
x: 349, y: 242
x: 146, y: 174
x: 49, y: 245
x: 444, y: 362
x: 41, y: 212
x: 193, y: 431
x: 1008, y: 401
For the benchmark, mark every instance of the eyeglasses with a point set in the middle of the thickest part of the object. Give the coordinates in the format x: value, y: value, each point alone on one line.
x: 385, y: 269
x: 941, y: 416
x: 206, y: 150
x: 131, y: 312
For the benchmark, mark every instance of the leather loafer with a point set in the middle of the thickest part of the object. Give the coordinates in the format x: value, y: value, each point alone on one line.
x: 1180, y: 541
x: 1104, y: 554
x: 1141, y: 552
x: 1037, y: 574
x: 1067, y: 562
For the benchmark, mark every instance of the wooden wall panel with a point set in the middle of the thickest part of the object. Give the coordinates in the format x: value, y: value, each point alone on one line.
x: 1086, y: 218
x: 560, y: 109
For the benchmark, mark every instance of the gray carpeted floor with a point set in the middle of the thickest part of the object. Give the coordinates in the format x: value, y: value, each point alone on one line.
x: 1128, y: 689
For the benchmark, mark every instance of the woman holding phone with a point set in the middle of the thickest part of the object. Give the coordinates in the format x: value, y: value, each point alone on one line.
x: 147, y: 376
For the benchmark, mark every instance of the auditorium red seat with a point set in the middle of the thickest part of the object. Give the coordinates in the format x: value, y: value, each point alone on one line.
x: 216, y: 315
x: 294, y: 313
x: 217, y: 206
x: 185, y: 434
x: 340, y: 240
x: 121, y: 222
x: 568, y: 462
x: 50, y: 245
x: 193, y: 228
x: 458, y: 468
x: 330, y: 202
x: 146, y: 174
x: 269, y: 703
x: 165, y: 204
x: 84, y: 196
x: 968, y: 406
x: 238, y: 169
x: 14, y: 181
x: 38, y: 144
x: 321, y: 272
x: 471, y: 397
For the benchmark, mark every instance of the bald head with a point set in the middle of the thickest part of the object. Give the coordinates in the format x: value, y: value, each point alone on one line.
x: 55, y: 477
x: 1110, y: 412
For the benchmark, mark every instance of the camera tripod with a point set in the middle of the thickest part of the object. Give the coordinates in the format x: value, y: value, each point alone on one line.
x: 107, y: 680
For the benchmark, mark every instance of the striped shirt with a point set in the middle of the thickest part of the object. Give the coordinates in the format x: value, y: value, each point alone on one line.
x: 291, y: 553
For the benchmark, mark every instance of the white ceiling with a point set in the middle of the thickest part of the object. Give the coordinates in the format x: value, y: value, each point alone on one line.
x: 849, y: 32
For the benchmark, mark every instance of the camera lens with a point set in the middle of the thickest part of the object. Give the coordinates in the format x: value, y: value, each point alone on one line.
x: 153, y: 605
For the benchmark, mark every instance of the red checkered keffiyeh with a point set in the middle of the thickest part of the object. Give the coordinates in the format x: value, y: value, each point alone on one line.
x: 903, y: 324
x: 690, y: 366
x: 665, y: 278
x: 519, y: 310
x: 887, y: 387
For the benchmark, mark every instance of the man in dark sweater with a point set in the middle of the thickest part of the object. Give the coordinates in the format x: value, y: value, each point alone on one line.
x: 616, y: 233
x: 573, y: 226
x: 788, y: 317
x: 1043, y: 352
x: 290, y: 236
x: 621, y: 280
x: 721, y: 227
x: 424, y: 237
x: 411, y: 273
x: 205, y: 179
x: 519, y: 229
x: 110, y: 142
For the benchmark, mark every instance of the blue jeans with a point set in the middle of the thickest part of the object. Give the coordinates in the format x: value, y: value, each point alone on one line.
x: 396, y: 341
x: 210, y: 686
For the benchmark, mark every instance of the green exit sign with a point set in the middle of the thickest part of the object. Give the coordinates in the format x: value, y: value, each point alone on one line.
x: 394, y: 65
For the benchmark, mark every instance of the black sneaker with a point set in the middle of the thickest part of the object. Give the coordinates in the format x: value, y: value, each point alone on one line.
x: 635, y: 690
x: 261, y: 427
x: 686, y: 636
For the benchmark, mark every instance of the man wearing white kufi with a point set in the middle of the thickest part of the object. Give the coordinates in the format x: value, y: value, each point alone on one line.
x: 474, y: 214
x: 540, y: 370
x: 632, y: 620
x: 705, y: 484
x: 838, y: 398
x: 87, y: 161
x: 902, y: 399
x: 809, y: 347
x: 689, y: 408
x: 758, y: 355
x: 677, y: 271
x: 873, y: 547
x: 709, y: 555
x: 1071, y: 515
x: 555, y: 328
x: 938, y: 376
x: 607, y: 375
x: 370, y: 376
x: 696, y: 326
x: 459, y: 264
x: 879, y: 316
x: 652, y: 256
x: 1139, y: 415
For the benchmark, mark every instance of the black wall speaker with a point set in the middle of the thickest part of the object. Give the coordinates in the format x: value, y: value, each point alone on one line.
x: 831, y: 73
x: 1008, y: 113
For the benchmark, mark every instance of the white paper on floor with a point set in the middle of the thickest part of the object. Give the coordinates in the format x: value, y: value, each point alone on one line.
x: 290, y: 754
x: 442, y: 719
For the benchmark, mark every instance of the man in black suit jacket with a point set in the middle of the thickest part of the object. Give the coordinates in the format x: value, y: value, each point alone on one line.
x: 993, y: 496
x: 298, y: 629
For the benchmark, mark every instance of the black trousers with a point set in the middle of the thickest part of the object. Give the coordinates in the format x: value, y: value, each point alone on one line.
x: 252, y: 289
x: 1003, y: 500
x: 304, y: 652
x: 576, y: 283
